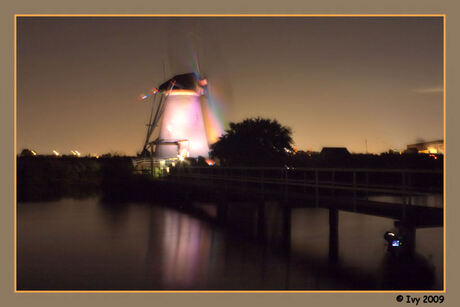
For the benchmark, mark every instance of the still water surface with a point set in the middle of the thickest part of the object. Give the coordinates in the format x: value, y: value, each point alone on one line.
x: 88, y: 245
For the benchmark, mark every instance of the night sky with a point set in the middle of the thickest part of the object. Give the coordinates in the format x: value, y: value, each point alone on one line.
x: 334, y: 81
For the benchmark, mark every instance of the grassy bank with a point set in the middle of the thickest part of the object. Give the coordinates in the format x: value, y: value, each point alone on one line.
x: 44, y: 178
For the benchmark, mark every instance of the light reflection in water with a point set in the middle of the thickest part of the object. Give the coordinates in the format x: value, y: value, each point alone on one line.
x: 186, y: 249
x: 433, y: 200
x: 83, y: 244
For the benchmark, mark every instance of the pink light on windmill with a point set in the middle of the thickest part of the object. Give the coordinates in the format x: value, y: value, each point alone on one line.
x: 210, y: 162
x: 182, y: 119
x: 177, y: 111
x: 203, y: 82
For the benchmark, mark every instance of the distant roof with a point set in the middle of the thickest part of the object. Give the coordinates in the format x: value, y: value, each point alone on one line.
x: 335, y: 151
x: 186, y: 81
x: 427, y: 143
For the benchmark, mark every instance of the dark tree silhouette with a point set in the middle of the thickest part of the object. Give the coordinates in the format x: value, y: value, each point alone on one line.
x: 26, y: 153
x: 254, y: 141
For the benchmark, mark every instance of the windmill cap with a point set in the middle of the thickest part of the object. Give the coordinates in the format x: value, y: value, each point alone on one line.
x: 188, y: 81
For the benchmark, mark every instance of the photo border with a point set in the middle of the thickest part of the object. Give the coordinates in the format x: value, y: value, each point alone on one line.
x: 16, y: 16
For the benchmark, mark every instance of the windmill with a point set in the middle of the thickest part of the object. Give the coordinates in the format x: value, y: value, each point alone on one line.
x: 177, y: 112
x: 185, y: 117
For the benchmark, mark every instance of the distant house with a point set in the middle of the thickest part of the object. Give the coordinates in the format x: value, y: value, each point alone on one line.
x: 335, y: 152
x: 433, y: 147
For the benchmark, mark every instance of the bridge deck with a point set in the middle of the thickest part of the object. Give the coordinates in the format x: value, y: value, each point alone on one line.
x: 306, y: 188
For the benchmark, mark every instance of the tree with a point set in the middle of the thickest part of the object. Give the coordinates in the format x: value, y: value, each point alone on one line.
x: 27, y: 153
x: 254, y: 141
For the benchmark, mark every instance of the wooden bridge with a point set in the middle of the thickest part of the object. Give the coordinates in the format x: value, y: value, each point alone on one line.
x: 413, y: 196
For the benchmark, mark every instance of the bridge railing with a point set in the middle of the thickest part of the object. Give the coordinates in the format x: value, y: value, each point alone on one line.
x: 359, y: 182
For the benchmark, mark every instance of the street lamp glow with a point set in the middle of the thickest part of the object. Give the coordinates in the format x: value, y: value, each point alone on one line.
x: 75, y: 153
x: 55, y: 153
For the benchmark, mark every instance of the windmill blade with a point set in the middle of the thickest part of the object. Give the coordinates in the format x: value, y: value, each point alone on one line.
x: 219, y: 92
x: 160, y: 109
x: 194, y: 46
x: 197, y: 49
x: 188, y: 52
x: 149, y: 125
x: 183, y: 46
x: 153, y: 123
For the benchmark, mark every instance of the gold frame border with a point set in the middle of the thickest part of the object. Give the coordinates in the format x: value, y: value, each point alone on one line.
x: 226, y: 15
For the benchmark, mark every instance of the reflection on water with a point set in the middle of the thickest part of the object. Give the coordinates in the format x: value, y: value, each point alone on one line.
x: 186, y: 250
x: 431, y: 200
x: 86, y: 244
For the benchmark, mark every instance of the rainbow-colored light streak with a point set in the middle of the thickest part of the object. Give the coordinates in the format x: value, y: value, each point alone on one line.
x: 193, y: 63
x: 212, y: 114
x: 213, y: 118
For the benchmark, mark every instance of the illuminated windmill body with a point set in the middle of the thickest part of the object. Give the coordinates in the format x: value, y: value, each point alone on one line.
x: 179, y: 116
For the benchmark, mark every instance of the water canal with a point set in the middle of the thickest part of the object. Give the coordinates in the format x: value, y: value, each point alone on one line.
x: 87, y: 244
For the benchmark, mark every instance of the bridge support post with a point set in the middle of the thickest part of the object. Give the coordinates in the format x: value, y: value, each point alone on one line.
x: 408, y: 232
x: 333, y: 182
x: 316, y: 189
x: 367, y: 186
x: 262, y: 185
x: 354, y: 191
x: 333, y: 235
x: 222, y: 211
x: 304, y: 181
x: 261, y: 220
x: 286, y: 226
x: 411, y: 232
x: 286, y: 191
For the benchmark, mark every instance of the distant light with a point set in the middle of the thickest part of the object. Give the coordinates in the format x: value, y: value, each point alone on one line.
x: 181, y: 158
x: 203, y: 82
x: 143, y: 96
x: 210, y: 162
x: 183, y: 153
x: 75, y: 153
x: 55, y: 153
x: 34, y: 153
